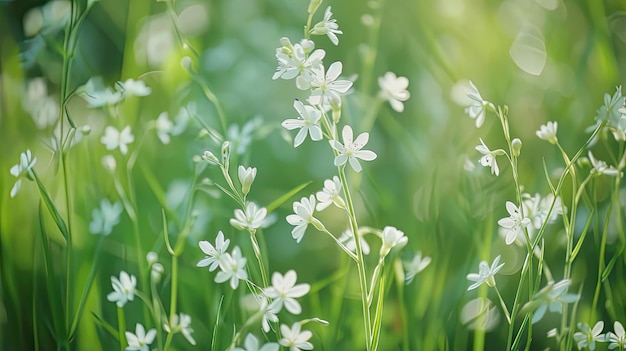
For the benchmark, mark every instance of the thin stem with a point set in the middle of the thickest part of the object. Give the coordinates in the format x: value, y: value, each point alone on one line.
x: 121, y: 327
x: 259, y: 258
x: 503, y: 305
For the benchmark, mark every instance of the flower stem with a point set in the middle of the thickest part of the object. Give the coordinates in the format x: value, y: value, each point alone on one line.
x: 121, y: 327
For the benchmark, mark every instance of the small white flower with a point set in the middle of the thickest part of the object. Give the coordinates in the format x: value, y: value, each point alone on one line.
x: 241, y: 138
x: 514, y: 224
x: 298, y: 61
x: 284, y: 291
x: 478, y: 108
x: 393, y: 89
x: 587, y: 337
x: 123, y: 289
x: 308, y: 123
x: 97, y: 95
x: 233, y: 267
x: 330, y: 194
x: 140, y: 340
x: 269, y: 314
x: 246, y: 177
x: 295, y: 339
x: 108, y: 161
x: 251, y: 219
x: 347, y: 239
x: 215, y: 254
x: 489, y: 157
x: 416, y: 265
x: 610, y: 111
x: 551, y: 297
x: 326, y: 88
x: 328, y: 26
x: 485, y: 274
x: 113, y: 139
x: 601, y: 167
x: 303, y: 215
x: 133, y: 87
x: 22, y: 169
x: 617, y: 339
x: 105, y: 218
x: 350, y: 151
x: 181, y: 323
x: 164, y: 127
x: 392, y: 237
x: 252, y: 344
x: 548, y: 132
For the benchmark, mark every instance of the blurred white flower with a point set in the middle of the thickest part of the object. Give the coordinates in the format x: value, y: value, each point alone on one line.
x: 241, y: 138
x: 416, y: 265
x: 588, y: 337
x: 330, y: 194
x: 252, y: 344
x: 215, y: 254
x: 22, y: 169
x: 233, y: 268
x: 294, y: 338
x: 181, y: 323
x: 123, y: 289
x: 328, y: 26
x: 489, y: 157
x: 97, y: 95
x: 514, y: 224
x: 140, y: 340
x: 284, y: 291
x: 617, y: 339
x: 478, y: 107
x: 393, y: 89
x: 610, y: 111
x: 350, y: 151
x: 132, y: 87
x: 391, y: 238
x: 551, y: 297
x: 164, y: 127
x: 251, y: 219
x: 103, y: 219
x: 548, y: 132
x: 485, y: 274
x: 600, y: 167
x: 308, y: 123
x: 113, y: 139
x: 302, y: 216
x: 43, y: 108
x: 347, y: 239
x: 326, y: 88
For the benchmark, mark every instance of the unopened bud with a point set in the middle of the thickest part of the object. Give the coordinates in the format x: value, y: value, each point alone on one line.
x: 186, y: 62
x: 516, y: 146
x: 246, y: 177
x: 156, y: 272
x: 208, y: 156
x: 226, y: 154
x: 85, y: 130
x: 152, y: 257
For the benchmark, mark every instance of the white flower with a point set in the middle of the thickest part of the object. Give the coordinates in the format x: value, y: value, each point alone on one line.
x: 215, y: 254
x: 294, y: 339
x: 105, y: 218
x: 327, y: 26
x: 308, y: 123
x: 347, y: 239
x: 393, y: 89
x: 548, y: 132
x: 298, y: 61
x: 133, y: 87
x: 330, y: 194
x: 610, y: 110
x: 123, y: 289
x: 551, y: 297
x: 241, y: 138
x: 536, y: 209
x: 246, y: 177
x: 326, y: 88
x: 350, y: 150
x: 601, y: 167
x: 284, y: 291
x: 22, y: 169
x: 617, y: 339
x: 477, y: 109
x: 392, y: 237
x: 269, y: 314
x: 252, y: 344
x: 113, y: 139
x: 97, y: 95
x: 587, y: 337
x: 140, y: 340
x: 489, y: 157
x: 233, y: 267
x: 164, y: 127
x: 108, y: 161
x: 181, y: 323
x: 485, y: 274
x: 514, y: 223
x: 251, y: 219
x: 303, y: 215
x: 416, y: 265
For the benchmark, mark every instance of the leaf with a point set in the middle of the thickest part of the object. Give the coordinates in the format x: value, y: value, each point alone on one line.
x: 108, y: 327
x: 52, y: 208
x: 281, y: 200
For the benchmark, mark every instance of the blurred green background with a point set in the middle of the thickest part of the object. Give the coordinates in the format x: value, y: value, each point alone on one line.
x: 545, y: 59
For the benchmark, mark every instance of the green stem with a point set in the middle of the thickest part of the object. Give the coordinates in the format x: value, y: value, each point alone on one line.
x: 503, y: 305
x: 259, y: 258
x: 121, y: 327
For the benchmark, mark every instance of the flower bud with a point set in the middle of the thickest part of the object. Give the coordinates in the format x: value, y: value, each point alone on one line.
x: 152, y: 257
x: 196, y: 159
x: 156, y: 272
x: 314, y: 5
x: 516, y: 146
x: 109, y: 163
x: 85, y: 130
x: 226, y: 154
x: 208, y: 156
x: 246, y: 177
x: 186, y: 62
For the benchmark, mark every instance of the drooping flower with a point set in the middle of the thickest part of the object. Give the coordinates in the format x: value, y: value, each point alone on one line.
x: 350, y: 151
x: 308, y: 123
x: 551, y: 297
x: 392, y: 237
x: 416, y: 265
x: 251, y: 219
x: 347, y: 239
x: 123, y: 289
x: 302, y: 216
x: 113, y: 139
x: 233, y: 268
x: 326, y: 88
x: 251, y: 343
x: 587, y: 337
x: 617, y: 338
x: 284, y: 291
x: 600, y: 167
x: 514, y: 224
x: 105, y: 218
x: 328, y: 26
x: 393, y: 89
x: 294, y: 338
x: 140, y: 340
x: 22, y: 169
x: 330, y: 194
x: 214, y: 253
x: 181, y: 323
x: 489, y: 157
x: 485, y: 274
x: 548, y: 132
x: 478, y: 107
